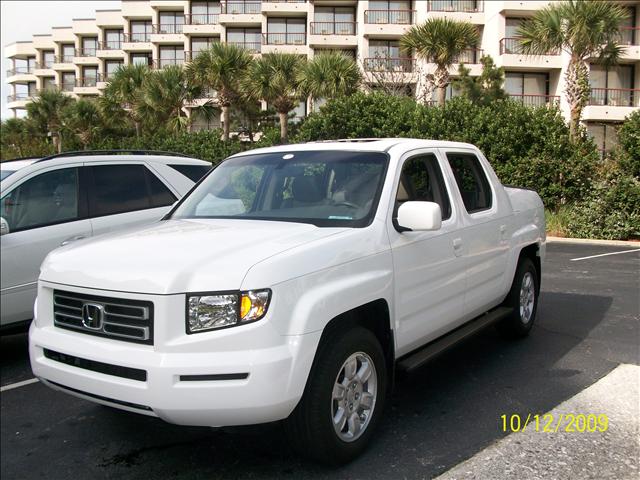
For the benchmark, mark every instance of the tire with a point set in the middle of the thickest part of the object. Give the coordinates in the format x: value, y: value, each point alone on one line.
x: 526, y: 282
x: 310, y: 427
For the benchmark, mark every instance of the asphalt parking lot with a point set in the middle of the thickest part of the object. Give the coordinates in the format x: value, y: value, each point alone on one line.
x: 588, y: 323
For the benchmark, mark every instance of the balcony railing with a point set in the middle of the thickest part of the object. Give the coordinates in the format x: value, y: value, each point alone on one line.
x: 138, y: 37
x: 396, y: 17
x: 19, y: 71
x: 512, y: 45
x: 630, y: 35
x: 615, y: 97
x: 284, y: 38
x: 471, y: 55
x: 85, y: 52
x: 165, y: 62
x: 68, y: 86
x: 15, y: 97
x: 110, y: 45
x: 534, y: 100
x: 284, y: 1
x: 44, y: 65
x: 87, y: 81
x: 333, y: 28
x: 240, y: 8
x: 167, y: 28
x: 63, y: 59
x: 391, y: 64
x: 202, y: 19
x: 454, y: 6
x: 251, y: 47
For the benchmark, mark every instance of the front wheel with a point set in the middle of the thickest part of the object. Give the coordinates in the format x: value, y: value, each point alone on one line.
x: 343, y: 399
x: 523, y: 300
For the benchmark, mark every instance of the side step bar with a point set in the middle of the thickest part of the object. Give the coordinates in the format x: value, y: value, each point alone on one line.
x: 423, y: 355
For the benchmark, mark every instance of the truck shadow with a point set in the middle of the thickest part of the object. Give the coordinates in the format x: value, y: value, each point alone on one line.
x: 437, y: 417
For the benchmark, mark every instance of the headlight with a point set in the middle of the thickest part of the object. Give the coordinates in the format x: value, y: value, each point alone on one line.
x: 221, y: 310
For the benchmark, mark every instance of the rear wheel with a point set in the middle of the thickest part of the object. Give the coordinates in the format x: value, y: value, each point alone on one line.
x: 343, y: 399
x: 522, y: 299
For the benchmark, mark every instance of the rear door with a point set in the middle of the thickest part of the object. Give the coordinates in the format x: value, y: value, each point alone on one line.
x: 125, y: 195
x: 486, y: 232
x: 429, y: 266
x: 44, y: 211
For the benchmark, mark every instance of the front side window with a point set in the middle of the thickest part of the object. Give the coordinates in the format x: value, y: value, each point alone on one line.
x: 49, y: 198
x: 421, y: 180
x: 325, y: 188
x: 472, y: 181
x: 126, y: 188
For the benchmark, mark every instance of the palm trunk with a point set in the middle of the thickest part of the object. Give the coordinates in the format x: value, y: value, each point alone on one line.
x: 577, y: 93
x: 284, y: 126
x: 441, y: 80
x: 138, y: 127
x: 225, y: 123
x: 442, y: 96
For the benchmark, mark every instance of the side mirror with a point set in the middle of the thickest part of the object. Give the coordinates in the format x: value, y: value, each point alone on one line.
x: 4, y: 226
x: 419, y: 216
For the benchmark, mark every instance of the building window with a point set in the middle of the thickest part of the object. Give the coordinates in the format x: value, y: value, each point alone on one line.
x: 334, y: 21
x: 89, y: 77
x: 89, y: 45
x: 286, y: 31
x: 392, y: 11
x: 386, y: 55
x: 199, y: 44
x: 171, y: 55
x: 604, y: 135
x: 628, y: 33
x: 113, y: 39
x: 140, y: 31
x: 170, y: 22
x: 48, y: 83
x: 528, y: 88
x: 110, y: 68
x: 68, y: 51
x: 48, y: 57
x: 248, y: 38
x: 140, y: 59
x: 68, y: 81
x: 204, y: 13
x: 612, y: 86
x: 236, y: 7
x: 455, y: 5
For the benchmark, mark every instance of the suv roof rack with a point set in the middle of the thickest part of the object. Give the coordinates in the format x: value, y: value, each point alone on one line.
x: 20, y: 159
x: 348, y: 140
x: 80, y: 153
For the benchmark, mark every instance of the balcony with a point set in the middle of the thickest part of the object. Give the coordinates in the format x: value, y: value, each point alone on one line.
x: 333, y: 28
x: 284, y: 38
x: 284, y: 6
x: 241, y: 8
x: 629, y: 36
x: 87, y: 81
x: 611, y: 104
x: 19, y: 71
x: 202, y: 23
x: 68, y: 86
x: 111, y: 45
x: 63, y: 62
x: 85, y: 56
x: 392, y: 17
x: 470, y: 56
x: 535, y: 100
x: 512, y: 45
x: 168, y: 29
x: 43, y: 66
x: 511, y: 56
x: 19, y: 97
x: 467, y: 6
x: 391, y: 64
x: 141, y: 37
x: 251, y: 47
x: 160, y: 63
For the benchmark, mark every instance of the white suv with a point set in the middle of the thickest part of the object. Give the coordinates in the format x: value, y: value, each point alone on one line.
x: 56, y: 200
x: 289, y: 284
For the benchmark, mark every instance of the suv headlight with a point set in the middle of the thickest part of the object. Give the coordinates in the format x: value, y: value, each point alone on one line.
x: 211, y: 311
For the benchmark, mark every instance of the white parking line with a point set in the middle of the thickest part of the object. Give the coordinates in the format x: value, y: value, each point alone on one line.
x: 605, y: 254
x: 11, y: 386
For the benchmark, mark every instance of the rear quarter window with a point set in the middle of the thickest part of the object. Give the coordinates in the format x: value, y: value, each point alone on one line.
x: 192, y: 172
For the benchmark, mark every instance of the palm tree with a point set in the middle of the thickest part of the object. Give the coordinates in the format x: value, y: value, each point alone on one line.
x: 583, y: 29
x: 440, y: 41
x: 330, y: 75
x: 220, y: 68
x: 164, y: 95
x: 46, y: 113
x: 275, y: 78
x: 123, y: 92
x: 83, y: 119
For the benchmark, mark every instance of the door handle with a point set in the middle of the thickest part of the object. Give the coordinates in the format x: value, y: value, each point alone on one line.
x: 72, y: 239
x: 457, y: 246
x: 503, y: 233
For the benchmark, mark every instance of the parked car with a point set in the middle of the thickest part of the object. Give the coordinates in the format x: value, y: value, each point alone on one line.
x: 48, y: 202
x: 290, y: 284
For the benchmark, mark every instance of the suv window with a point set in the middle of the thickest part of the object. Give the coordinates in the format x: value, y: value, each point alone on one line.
x: 192, y: 172
x: 421, y: 180
x: 126, y: 188
x: 472, y: 181
x: 46, y: 199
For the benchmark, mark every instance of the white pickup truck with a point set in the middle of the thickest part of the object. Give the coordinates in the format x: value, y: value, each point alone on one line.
x: 291, y: 284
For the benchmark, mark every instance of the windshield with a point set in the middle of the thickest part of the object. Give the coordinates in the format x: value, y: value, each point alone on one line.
x: 325, y: 188
x: 5, y: 173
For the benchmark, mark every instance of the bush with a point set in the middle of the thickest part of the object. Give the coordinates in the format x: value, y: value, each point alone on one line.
x: 628, y: 153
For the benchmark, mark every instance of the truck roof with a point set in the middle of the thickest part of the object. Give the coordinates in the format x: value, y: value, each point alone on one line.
x: 360, y: 144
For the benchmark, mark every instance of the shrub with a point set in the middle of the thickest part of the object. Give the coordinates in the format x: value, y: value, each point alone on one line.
x: 628, y: 153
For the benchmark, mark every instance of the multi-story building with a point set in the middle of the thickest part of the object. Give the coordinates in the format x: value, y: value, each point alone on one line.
x: 79, y: 59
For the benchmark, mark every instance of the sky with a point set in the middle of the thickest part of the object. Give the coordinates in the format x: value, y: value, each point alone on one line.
x: 19, y: 20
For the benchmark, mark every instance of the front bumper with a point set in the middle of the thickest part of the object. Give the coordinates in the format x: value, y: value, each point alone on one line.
x: 276, y: 369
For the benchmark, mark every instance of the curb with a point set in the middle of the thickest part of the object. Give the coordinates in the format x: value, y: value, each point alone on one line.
x: 587, y: 241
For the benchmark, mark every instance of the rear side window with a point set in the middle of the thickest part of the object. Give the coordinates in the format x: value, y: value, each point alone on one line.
x: 472, y: 181
x: 192, y: 172
x: 126, y: 188
x: 421, y: 180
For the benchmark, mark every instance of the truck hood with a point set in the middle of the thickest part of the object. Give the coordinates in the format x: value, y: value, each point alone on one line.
x: 176, y: 256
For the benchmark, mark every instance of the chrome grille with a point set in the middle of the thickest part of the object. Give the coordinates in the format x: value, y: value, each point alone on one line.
x: 118, y: 318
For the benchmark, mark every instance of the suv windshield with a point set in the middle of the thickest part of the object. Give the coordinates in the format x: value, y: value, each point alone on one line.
x: 326, y: 188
